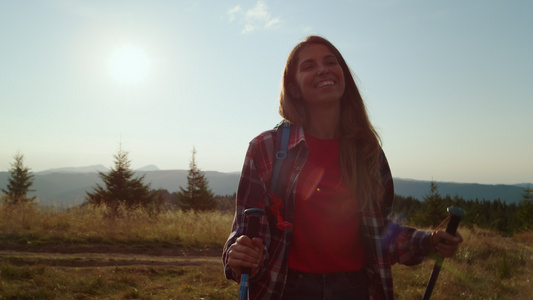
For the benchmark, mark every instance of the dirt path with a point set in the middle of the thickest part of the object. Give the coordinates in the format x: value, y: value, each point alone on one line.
x: 106, y: 256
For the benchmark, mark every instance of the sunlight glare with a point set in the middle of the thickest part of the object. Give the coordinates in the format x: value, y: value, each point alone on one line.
x: 129, y: 64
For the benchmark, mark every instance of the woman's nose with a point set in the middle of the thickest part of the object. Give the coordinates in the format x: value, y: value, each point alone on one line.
x: 322, y: 69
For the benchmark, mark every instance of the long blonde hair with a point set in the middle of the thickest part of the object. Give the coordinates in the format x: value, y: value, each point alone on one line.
x: 359, y: 153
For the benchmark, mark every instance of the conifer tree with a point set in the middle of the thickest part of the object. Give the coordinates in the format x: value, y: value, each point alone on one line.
x: 197, y: 195
x: 525, y: 210
x: 19, y: 183
x: 122, y: 189
x: 433, y: 210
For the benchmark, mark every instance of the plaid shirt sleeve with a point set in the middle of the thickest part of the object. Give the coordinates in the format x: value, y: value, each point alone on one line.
x: 251, y: 193
x: 405, y: 245
x: 388, y: 242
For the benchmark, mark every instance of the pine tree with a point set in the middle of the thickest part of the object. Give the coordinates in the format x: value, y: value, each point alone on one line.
x: 122, y: 189
x: 19, y: 183
x: 197, y: 196
x: 433, y: 210
x: 525, y: 210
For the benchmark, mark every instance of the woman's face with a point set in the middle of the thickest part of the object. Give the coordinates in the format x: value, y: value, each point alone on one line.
x: 319, y: 77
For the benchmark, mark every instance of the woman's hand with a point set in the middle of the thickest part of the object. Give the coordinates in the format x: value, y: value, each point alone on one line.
x: 245, y: 253
x: 445, y: 244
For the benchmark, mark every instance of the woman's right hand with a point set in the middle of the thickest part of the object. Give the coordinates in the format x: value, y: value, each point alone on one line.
x: 245, y: 253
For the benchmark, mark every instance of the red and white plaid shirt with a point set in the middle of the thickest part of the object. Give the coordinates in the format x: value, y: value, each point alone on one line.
x: 385, y: 242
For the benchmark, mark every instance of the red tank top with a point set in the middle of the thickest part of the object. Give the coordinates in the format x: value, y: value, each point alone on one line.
x: 326, y: 235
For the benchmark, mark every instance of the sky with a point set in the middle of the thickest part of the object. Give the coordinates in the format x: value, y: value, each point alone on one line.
x: 447, y: 84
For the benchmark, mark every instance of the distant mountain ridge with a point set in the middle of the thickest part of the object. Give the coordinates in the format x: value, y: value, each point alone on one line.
x: 468, y: 191
x: 67, y: 187
x: 88, y: 169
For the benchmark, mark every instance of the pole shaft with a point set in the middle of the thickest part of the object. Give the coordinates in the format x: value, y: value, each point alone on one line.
x: 451, y: 228
x: 252, y: 231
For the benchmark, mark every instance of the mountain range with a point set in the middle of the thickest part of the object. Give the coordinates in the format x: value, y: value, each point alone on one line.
x: 67, y: 187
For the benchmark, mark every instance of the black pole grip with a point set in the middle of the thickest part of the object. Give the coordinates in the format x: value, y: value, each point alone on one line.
x: 456, y: 214
x: 451, y: 228
x: 252, y: 228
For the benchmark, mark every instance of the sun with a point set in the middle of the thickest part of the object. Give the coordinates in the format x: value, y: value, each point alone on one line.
x: 129, y: 64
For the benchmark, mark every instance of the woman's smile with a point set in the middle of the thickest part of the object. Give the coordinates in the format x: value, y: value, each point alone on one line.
x: 325, y: 83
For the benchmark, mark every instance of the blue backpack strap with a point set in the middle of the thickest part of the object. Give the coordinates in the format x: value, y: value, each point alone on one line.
x: 282, y: 145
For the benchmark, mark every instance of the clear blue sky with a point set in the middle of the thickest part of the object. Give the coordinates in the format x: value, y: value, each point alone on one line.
x: 447, y: 83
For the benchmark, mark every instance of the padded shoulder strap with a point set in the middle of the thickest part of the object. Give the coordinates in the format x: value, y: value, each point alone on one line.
x: 282, y: 145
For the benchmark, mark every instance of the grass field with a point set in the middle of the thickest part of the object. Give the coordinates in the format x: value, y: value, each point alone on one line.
x: 80, y: 254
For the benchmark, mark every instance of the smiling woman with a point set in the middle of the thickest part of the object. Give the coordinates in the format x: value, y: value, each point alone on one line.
x: 129, y: 64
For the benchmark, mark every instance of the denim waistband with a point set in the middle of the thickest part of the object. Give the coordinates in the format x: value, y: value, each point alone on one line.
x: 349, y: 274
x: 326, y: 286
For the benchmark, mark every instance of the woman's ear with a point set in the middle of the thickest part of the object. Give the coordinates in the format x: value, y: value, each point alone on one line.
x: 294, y: 91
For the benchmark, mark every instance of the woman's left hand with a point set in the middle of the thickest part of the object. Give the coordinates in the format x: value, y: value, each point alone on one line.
x: 445, y: 244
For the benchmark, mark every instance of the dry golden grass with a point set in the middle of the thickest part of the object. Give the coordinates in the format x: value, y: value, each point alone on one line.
x: 36, y: 278
x: 139, y: 282
x: 87, y: 225
x: 487, y: 265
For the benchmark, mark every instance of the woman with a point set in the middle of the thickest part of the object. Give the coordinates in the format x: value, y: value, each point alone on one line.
x: 332, y: 238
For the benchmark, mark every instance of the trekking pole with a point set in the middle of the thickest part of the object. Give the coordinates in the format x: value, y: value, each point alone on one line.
x: 456, y: 214
x: 252, y: 231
